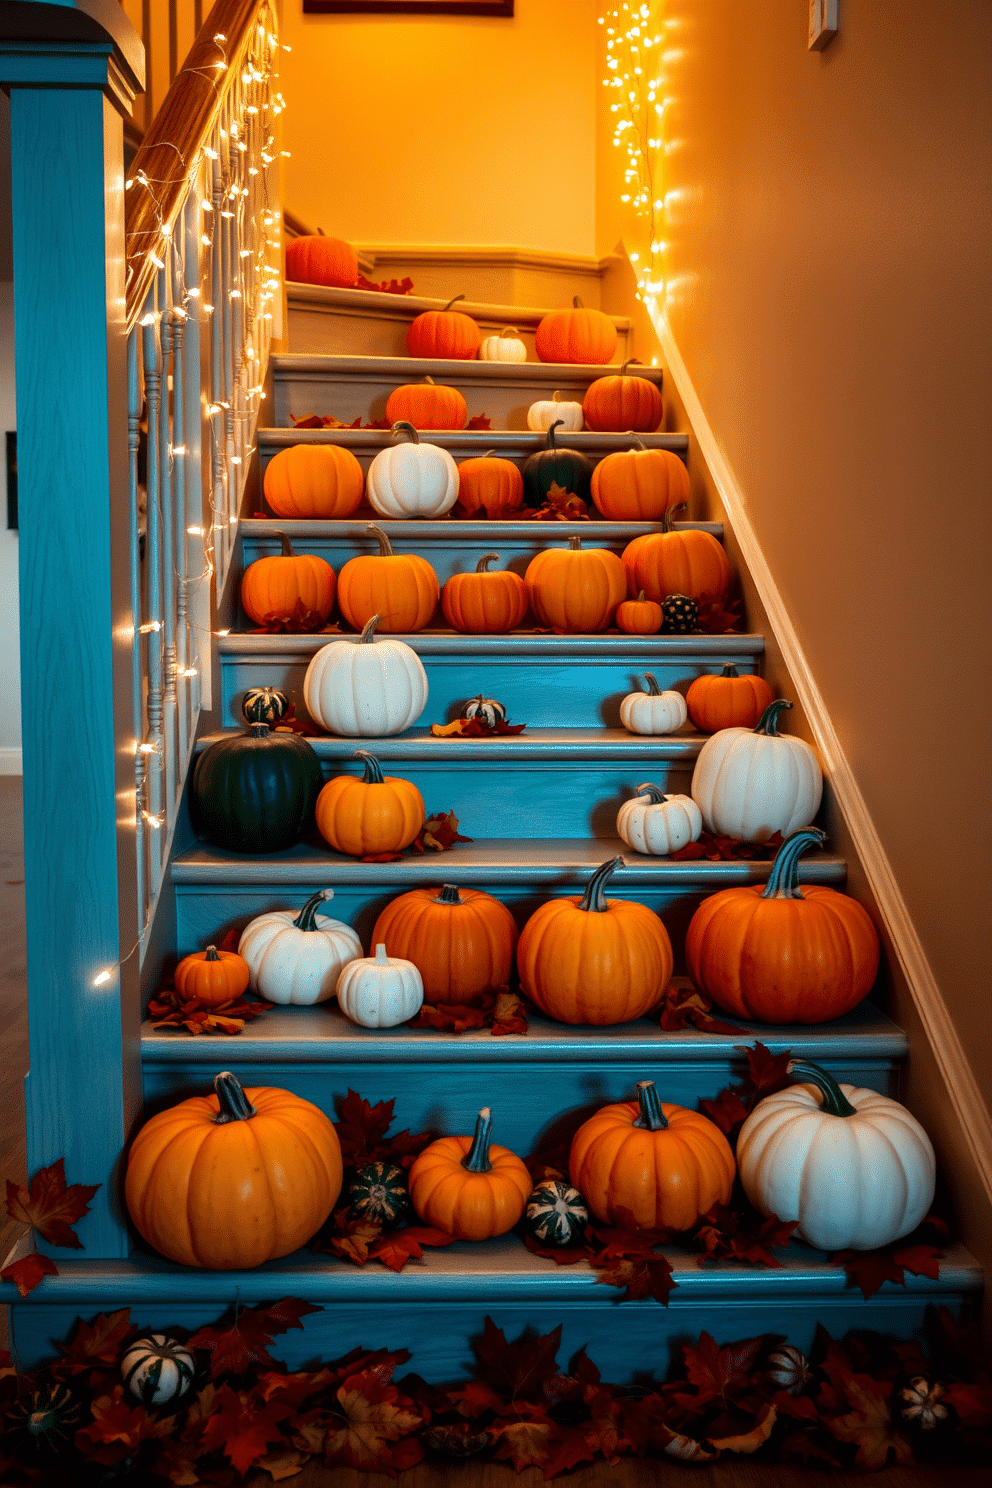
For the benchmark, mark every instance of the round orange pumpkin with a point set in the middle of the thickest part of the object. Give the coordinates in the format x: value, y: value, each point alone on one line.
x: 783, y: 954
x: 727, y: 701
x: 617, y: 404
x: 469, y: 1187
x: 687, y: 562
x: 427, y: 405
x: 640, y: 616
x: 593, y: 959
x: 489, y: 487
x: 315, y: 259
x: 314, y: 480
x: 639, y: 485
x: 484, y: 603
x: 276, y: 589
x: 587, y: 337
x: 461, y: 941
x: 646, y: 1163
x: 230, y: 1180
x: 377, y: 814
x: 446, y: 335
x: 575, y: 589
x: 401, y: 588
x: 212, y: 977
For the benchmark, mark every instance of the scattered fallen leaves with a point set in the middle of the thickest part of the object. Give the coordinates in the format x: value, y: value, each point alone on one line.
x: 497, y: 1008
x: 328, y: 421
x: 915, y: 1253
x: 438, y: 834
x: 869, y: 1424
x: 475, y: 728
x: 101, y: 1342
x: 26, y: 1273
x: 718, y: 614
x: 49, y: 1206
x: 559, y: 506
x: 167, y: 1010
x: 739, y: 1234
x: 684, y: 1006
x: 243, y: 1343
x: 480, y: 421
x: 727, y: 849
x: 369, y: 1415
x: 388, y: 286
x: 299, y: 621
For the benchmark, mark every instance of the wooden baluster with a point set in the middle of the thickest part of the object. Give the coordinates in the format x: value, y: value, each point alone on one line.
x: 218, y: 513
x: 167, y: 530
x: 155, y: 660
x: 197, y: 480
x: 179, y: 544
x: 137, y: 681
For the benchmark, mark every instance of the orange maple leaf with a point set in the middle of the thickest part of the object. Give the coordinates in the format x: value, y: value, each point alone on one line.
x: 100, y: 1342
x: 372, y: 1415
x: 870, y: 1425
x: 28, y: 1271
x: 525, y: 1443
x: 50, y: 1207
x: 748, y: 1441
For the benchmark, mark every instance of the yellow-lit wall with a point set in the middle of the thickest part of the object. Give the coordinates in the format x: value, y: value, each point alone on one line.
x: 452, y: 130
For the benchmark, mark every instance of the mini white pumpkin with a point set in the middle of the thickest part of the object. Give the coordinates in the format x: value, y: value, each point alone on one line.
x: 412, y: 480
x: 545, y: 412
x: 750, y: 783
x: 654, y: 711
x: 380, y: 991
x: 852, y: 1166
x: 298, y: 959
x: 506, y: 347
x: 366, y: 688
x: 158, y: 1370
x: 658, y: 824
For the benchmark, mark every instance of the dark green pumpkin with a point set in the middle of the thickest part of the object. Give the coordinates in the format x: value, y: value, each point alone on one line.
x: 255, y: 792
x: 264, y: 705
x: 556, y: 1212
x: 378, y: 1192
x: 565, y: 468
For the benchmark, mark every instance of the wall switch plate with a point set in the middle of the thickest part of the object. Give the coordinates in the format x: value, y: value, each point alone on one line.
x: 822, y: 23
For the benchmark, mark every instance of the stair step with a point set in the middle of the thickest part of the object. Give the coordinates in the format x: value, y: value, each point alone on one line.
x: 435, y: 1306
x: 350, y: 387
x: 542, y: 680
x: 349, y: 321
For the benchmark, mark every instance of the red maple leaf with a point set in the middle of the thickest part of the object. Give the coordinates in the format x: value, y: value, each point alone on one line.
x: 480, y: 421
x: 101, y: 1342
x: 869, y: 1424
x: 769, y: 1072
x: 406, y: 1245
x: 300, y: 621
x: 117, y: 1428
x: 717, y: 613
x: 685, y: 1006
x: 243, y: 1427
x: 455, y: 1017
x: 438, y: 834
x: 561, y: 1255
x: 568, y: 1451
x: 640, y: 1278
x: 28, y: 1271
x: 49, y: 1207
x: 742, y: 1235
x: 235, y: 1347
x: 369, y: 1415
x: 728, y: 1111
x: 715, y: 1370
x: 972, y: 1402
x: 524, y: 1443
x: 361, y: 1127
x: 388, y: 286
x: 517, y: 1370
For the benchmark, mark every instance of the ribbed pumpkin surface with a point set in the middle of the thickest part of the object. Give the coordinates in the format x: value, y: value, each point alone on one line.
x: 474, y: 1206
x: 584, y: 967
x: 256, y: 794
x: 459, y: 949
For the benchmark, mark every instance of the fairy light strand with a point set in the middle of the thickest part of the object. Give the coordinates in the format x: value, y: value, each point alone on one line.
x: 635, y: 48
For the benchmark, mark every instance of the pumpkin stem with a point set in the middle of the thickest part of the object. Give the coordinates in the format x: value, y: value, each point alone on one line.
x: 638, y: 441
x: 835, y: 1102
x: 483, y: 565
x: 654, y: 793
x: 577, y: 303
x: 453, y: 302
x: 487, y: 454
x: 653, y: 689
x: 401, y: 426
x: 385, y: 546
x: 668, y: 520
x: 652, y: 1117
x: 783, y: 880
x: 623, y: 369
x: 211, y: 954
x: 259, y: 730
x: 729, y: 670
x: 476, y: 1159
x: 307, y: 917
x: 234, y: 1104
x: 575, y: 544
x: 368, y: 631
x: 549, y: 443
x: 448, y: 895
x: 373, y: 770
x: 381, y: 956
x: 429, y: 379
x: 508, y: 331
x: 768, y: 722
x: 640, y: 596
x: 287, y: 546
x: 594, y: 898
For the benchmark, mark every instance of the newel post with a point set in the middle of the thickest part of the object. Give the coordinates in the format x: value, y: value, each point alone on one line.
x: 72, y: 71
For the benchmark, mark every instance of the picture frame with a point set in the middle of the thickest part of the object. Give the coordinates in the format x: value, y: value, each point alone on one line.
x: 410, y: 7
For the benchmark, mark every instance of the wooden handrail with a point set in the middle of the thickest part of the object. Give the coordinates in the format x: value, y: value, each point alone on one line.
x: 177, y: 134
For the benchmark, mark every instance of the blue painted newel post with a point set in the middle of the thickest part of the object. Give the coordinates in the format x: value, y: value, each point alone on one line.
x: 72, y: 71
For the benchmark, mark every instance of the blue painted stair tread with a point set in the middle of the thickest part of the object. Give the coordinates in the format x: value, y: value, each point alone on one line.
x: 550, y: 746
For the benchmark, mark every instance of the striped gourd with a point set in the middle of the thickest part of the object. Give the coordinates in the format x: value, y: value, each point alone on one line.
x: 157, y: 1370
x: 556, y: 1212
x: 378, y: 1192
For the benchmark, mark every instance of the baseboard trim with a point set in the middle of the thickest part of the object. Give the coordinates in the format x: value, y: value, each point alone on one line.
x: 481, y: 256
x: 11, y: 760
x: 952, y: 1060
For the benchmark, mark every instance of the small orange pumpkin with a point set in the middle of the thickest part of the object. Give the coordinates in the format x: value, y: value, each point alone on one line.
x: 727, y: 701
x: 639, y: 485
x: 445, y: 335
x: 489, y: 487
x: 314, y: 480
x: 468, y: 1187
x: 484, y: 603
x: 687, y: 562
x: 640, y: 616
x: 619, y: 404
x: 658, y: 1165
x: 314, y: 259
x: 461, y: 941
x: 212, y: 977
x: 401, y: 588
x: 575, y: 589
x: 377, y: 814
x: 580, y: 336
x: 427, y: 405
x: 272, y: 589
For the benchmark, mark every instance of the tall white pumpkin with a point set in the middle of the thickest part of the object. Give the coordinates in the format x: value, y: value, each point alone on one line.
x: 366, y: 688
x: 751, y: 783
x: 412, y: 480
x: 298, y: 958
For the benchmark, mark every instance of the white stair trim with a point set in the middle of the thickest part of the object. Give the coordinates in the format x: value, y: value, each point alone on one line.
x: 482, y: 255
x: 10, y: 760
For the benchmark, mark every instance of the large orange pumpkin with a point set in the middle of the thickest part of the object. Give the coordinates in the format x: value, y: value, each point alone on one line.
x: 575, y: 589
x: 401, y: 588
x: 727, y: 700
x: 490, y: 487
x: 314, y: 480
x: 593, y: 959
x: 687, y: 562
x: 461, y: 941
x: 212, y: 977
x: 318, y: 260
x: 427, y: 405
x: 469, y: 1187
x: 658, y: 1165
x: 230, y: 1180
x: 620, y: 404
x: 484, y: 603
x: 783, y: 954
x: 639, y: 485
x: 578, y: 336
x: 274, y: 589
x: 445, y: 335
x: 377, y: 814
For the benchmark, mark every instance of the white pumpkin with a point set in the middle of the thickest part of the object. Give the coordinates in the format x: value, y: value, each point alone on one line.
x: 366, y: 688
x: 852, y: 1166
x: 658, y: 824
x: 506, y: 347
x: 750, y: 783
x: 545, y: 412
x: 380, y: 991
x: 158, y: 1369
x: 412, y: 480
x: 298, y: 958
x: 654, y: 711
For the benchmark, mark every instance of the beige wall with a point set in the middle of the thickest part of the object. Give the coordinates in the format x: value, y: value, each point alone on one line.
x: 456, y: 130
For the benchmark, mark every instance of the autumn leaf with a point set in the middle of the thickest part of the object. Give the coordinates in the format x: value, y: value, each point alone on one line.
x: 718, y: 614
x: 452, y: 1017
x: 972, y: 1402
x: 242, y: 1428
x: 869, y: 1424
x: 235, y: 1347
x: 769, y: 1072
x: 438, y: 834
x: 458, y: 1439
x: 299, y: 621
x: 684, y: 1006
x: 567, y: 1452
x: 351, y: 1237
x: 509, y: 1015
x: 742, y: 1235
x: 396, y: 1249
x: 748, y: 1441
x: 684, y: 1448
x: 117, y: 1428
x: 516, y: 1369
x: 362, y: 1129
x: 371, y: 1415
x: 719, y: 849
x: 869, y: 1269
x: 728, y: 1111
x: 282, y: 1464
x: 390, y: 286
x: 49, y: 1207
x: 524, y: 1443
x: 715, y: 1370
x: 101, y: 1342
x: 562, y: 1255
x: 640, y: 1278
x: 28, y: 1271
x: 480, y: 421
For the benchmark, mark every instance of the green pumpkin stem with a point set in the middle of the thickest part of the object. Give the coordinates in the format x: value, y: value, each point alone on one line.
x: 594, y: 898
x: 476, y: 1159
x: 835, y: 1102
x: 668, y: 520
x: 483, y: 564
x: 234, y: 1104
x: 453, y: 302
x: 768, y: 722
x: 550, y: 442
x: 729, y: 670
x: 654, y: 793
x: 368, y: 632
x: 653, y: 689
x: 448, y: 895
x: 287, y: 546
x: 652, y: 1117
x: 211, y: 954
x: 385, y: 546
x: 783, y: 880
x: 373, y: 770
x: 307, y: 917
x: 259, y: 730
x: 401, y: 426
